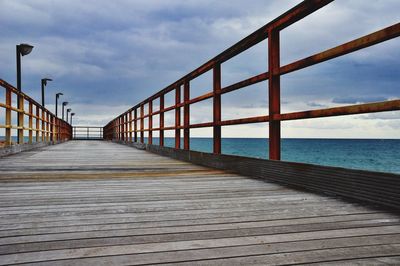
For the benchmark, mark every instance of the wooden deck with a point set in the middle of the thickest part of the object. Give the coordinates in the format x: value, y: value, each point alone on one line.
x: 100, y: 203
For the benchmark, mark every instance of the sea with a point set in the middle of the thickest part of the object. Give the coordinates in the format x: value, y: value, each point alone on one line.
x: 382, y: 155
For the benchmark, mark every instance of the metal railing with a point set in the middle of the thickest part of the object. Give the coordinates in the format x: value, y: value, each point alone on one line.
x: 87, y: 133
x: 42, y: 125
x: 126, y: 126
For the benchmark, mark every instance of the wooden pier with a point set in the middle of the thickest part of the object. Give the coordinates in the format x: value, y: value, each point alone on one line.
x: 102, y: 203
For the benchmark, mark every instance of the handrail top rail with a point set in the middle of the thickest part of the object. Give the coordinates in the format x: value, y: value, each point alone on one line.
x: 7, y: 85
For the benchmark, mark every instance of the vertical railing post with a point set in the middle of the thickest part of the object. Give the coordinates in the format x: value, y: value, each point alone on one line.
x: 123, y: 122
x: 51, y: 128
x: 87, y: 135
x: 47, y: 126
x: 217, y: 109
x: 162, y: 120
x: 43, y: 123
x: 141, y: 124
x: 37, y: 122
x: 118, y: 121
x: 30, y: 122
x: 130, y: 126
x: 8, y: 116
x: 150, y: 141
x: 20, y: 119
x: 135, y: 125
x: 119, y: 129
x: 274, y: 95
x: 126, y: 128
x: 177, y: 117
x: 186, y: 116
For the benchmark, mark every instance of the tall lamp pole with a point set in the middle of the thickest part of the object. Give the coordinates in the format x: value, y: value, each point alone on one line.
x: 57, y: 96
x: 63, y: 104
x: 44, y: 84
x: 21, y: 50
x: 72, y: 114
x: 68, y: 110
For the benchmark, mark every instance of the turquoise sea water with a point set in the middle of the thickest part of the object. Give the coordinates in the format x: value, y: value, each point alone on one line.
x: 381, y: 155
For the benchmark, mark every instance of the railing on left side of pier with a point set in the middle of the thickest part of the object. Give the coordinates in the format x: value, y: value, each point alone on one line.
x: 128, y: 125
x: 42, y: 126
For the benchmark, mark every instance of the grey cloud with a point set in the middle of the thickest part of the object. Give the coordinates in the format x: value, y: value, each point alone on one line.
x: 117, y: 53
x: 361, y: 99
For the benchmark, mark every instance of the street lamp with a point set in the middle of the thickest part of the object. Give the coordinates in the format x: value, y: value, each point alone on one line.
x: 63, y: 104
x: 57, y: 96
x: 21, y: 49
x: 72, y: 114
x: 68, y: 110
x: 44, y: 83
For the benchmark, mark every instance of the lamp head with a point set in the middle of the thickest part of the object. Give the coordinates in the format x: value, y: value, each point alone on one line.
x: 72, y: 114
x: 65, y: 103
x: 58, y: 94
x: 44, y: 81
x: 25, y: 49
x: 69, y: 110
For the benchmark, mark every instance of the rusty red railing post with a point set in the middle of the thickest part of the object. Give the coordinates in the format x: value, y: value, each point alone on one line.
x: 30, y: 123
x: 37, y: 122
x: 21, y: 106
x: 8, y: 116
x: 135, y: 125
x: 177, y: 117
x: 162, y: 120
x: 141, y: 123
x: 43, y: 123
x: 186, y: 116
x: 150, y: 141
x: 121, y: 130
x: 217, y: 108
x: 123, y: 127
x: 274, y: 95
x: 130, y: 126
x: 126, y: 127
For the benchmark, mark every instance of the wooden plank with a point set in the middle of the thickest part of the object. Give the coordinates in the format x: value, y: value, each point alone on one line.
x: 94, y: 202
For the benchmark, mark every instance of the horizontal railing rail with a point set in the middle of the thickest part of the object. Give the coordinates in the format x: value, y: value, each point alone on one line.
x: 129, y: 124
x: 87, y: 133
x: 42, y: 125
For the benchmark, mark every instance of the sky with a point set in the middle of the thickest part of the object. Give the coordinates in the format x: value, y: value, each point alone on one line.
x: 106, y: 56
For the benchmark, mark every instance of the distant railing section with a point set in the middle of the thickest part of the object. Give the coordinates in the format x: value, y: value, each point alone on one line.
x: 128, y: 125
x: 32, y: 121
x: 87, y: 133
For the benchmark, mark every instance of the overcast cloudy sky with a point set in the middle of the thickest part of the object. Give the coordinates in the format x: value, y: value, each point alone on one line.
x: 106, y: 56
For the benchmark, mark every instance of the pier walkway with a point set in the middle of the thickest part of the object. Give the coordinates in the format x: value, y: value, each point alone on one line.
x: 102, y: 203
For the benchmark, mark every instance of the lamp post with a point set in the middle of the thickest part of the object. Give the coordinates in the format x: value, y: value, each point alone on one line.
x: 57, y: 96
x: 63, y: 104
x: 68, y: 110
x: 21, y: 49
x: 44, y: 83
x: 72, y: 114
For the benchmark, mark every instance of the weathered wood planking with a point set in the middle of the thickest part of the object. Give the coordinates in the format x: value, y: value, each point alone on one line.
x: 100, y: 203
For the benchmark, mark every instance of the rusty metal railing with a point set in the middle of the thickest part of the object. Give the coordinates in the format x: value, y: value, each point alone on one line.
x: 126, y: 126
x: 42, y: 125
x: 87, y: 133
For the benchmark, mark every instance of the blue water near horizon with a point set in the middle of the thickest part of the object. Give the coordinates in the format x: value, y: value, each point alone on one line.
x: 382, y: 155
